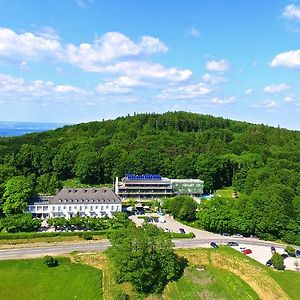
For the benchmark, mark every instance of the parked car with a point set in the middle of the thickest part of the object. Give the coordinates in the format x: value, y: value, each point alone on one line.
x: 284, y: 255
x: 167, y: 230
x: 297, y: 253
x: 214, y: 245
x: 247, y: 251
x: 238, y: 235
x: 273, y: 250
x: 181, y: 230
x: 232, y: 244
x: 242, y: 248
x: 155, y: 220
x: 225, y: 234
x: 269, y: 263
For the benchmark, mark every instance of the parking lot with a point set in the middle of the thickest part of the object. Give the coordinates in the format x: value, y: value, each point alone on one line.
x: 261, y: 250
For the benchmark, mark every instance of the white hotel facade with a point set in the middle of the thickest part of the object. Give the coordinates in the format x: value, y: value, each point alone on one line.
x: 84, y: 202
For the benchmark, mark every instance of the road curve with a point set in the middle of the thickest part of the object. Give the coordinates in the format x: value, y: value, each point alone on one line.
x: 100, y: 246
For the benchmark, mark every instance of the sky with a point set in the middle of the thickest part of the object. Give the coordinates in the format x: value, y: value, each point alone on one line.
x: 71, y: 61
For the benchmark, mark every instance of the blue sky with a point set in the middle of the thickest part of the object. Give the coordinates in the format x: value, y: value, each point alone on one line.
x: 73, y: 61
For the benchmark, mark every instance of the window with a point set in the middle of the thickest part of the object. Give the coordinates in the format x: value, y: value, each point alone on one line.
x: 85, y: 207
x: 70, y: 208
x: 45, y: 208
x: 65, y: 207
x: 75, y: 207
x: 107, y: 207
x: 101, y: 207
x: 91, y: 208
x: 80, y: 207
x: 53, y: 208
x: 112, y: 208
x: 58, y: 208
x: 96, y: 207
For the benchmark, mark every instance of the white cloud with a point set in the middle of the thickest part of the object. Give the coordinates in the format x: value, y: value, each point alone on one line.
x: 27, y: 46
x: 194, y: 32
x: 288, y: 59
x: 291, y: 11
x: 268, y: 104
x: 191, y: 91
x: 248, y: 92
x: 84, y: 3
x: 276, y: 88
x: 113, y: 52
x: 143, y: 69
x: 271, y: 104
x: 217, y: 66
x: 223, y: 101
x: 120, y: 85
x: 213, y: 79
x: 288, y: 99
x: 37, y: 88
x: 112, y: 46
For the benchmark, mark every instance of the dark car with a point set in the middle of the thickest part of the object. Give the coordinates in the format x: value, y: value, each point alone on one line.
x: 273, y: 250
x: 225, y: 234
x: 214, y: 245
x: 284, y: 256
x: 297, y: 253
x: 269, y: 263
x: 181, y: 230
x: 232, y: 244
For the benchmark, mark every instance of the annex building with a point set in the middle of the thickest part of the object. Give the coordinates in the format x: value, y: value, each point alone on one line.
x: 155, y: 186
x: 69, y: 202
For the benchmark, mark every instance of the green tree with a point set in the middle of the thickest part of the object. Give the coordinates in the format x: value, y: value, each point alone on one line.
x: 88, y: 167
x: 18, y: 190
x: 48, y: 184
x: 277, y: 261
x: 144, y: 257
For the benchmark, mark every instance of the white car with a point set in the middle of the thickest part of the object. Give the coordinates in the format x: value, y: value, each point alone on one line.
x: 237, y: 235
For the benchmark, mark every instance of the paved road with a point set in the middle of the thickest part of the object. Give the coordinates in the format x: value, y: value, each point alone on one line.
x: 103, y: 245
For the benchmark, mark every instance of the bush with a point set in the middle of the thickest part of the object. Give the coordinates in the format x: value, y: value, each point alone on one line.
x: 87, y: 236
x: 50, y: 261
x: 290, y: 251
x: 121, y: 296
x: 277, y: 261
x: 33, y: 235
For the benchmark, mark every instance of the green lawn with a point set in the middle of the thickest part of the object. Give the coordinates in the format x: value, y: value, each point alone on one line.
x: 31, y: 279
x: 210, y: 283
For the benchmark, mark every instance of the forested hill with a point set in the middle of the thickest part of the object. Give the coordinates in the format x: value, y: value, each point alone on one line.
x: 178, y: 145
x: 260, y: 161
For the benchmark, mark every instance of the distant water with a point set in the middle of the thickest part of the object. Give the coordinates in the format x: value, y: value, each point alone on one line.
x: 20, y: 128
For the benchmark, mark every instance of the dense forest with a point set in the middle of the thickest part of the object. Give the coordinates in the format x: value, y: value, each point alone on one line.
x: 261, y: 162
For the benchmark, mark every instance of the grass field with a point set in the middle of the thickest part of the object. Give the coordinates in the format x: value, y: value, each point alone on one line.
x: 211, y: 274
x: 211, y: 283
x: 31, y: 280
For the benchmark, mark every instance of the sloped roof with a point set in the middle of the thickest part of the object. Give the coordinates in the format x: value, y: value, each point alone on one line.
x: 86, y: 195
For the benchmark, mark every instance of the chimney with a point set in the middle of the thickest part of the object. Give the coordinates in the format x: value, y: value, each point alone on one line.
x: 117, y: 186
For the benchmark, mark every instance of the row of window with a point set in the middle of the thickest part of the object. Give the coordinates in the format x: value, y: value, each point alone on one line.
x: 75, y: 208
x: 81, y: 208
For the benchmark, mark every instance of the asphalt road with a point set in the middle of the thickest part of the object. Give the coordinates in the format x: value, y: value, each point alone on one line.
x: 103, y: 245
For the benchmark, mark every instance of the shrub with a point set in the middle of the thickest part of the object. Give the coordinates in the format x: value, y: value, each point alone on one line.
x: 122, y: 296
x: 87, y: 236
x: 277, y: 261
x: 50, y: 261
x: 290, y: 251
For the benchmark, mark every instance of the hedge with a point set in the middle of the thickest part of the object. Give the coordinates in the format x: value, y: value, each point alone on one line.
x: 177, y: 235
x: 33, y: 235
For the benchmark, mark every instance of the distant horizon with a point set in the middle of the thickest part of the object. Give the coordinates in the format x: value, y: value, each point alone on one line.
x: 131, y: 115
